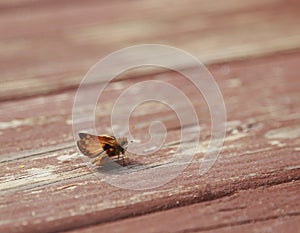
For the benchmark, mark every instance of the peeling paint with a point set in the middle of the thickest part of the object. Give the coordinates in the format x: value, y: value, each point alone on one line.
x: 15, y: 123
x: 252, y: 174
x: 235, y: 137
x: 277, y: 143
x: 65, y: 158
x: 41, y: 120
x: 34, y: 175
x: 40, y: 172
x: 290, y: 132
x: 292, y: 167
x: 249, y: 152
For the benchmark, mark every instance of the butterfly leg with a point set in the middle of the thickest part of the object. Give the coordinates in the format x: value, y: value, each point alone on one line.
x: 125, y: 160
x: 97, y: 161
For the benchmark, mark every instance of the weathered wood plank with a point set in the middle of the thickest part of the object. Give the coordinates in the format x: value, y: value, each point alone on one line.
x: 44, y: 121
x: 265, y: 209
x: 53, y: 191
x: 76, y: 198
x: 48, y: 47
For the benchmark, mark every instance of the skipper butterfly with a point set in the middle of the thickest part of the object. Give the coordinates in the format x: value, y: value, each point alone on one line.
x: 98, y: 147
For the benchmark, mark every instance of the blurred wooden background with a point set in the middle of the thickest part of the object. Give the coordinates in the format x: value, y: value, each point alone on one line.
x: 251, y: 48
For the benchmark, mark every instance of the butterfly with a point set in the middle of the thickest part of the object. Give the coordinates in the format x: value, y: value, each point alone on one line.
x: 101, y: 146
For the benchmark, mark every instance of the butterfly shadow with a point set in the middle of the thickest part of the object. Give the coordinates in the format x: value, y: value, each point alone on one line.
x: 118, y: 167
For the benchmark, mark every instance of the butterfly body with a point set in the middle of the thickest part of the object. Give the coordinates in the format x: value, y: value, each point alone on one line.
x: 100, y: 146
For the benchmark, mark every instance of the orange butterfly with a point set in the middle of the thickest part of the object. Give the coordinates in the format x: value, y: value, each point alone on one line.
x: 100, y: 146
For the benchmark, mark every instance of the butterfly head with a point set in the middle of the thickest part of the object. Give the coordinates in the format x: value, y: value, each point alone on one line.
x: 123, y: 142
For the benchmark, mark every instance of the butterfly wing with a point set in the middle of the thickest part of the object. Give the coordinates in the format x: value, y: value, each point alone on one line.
x: 109, y: 144
x: 99, y: 146
x: 90, y: 145
x: 107, y: 140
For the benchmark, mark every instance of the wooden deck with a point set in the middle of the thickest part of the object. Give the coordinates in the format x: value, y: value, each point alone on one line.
x: 252, y: 48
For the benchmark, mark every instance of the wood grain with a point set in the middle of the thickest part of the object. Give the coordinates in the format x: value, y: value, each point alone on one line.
x: 73, y: 37
x: 265, y: 206
x: 252, y: 50
x: 261, y: 149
